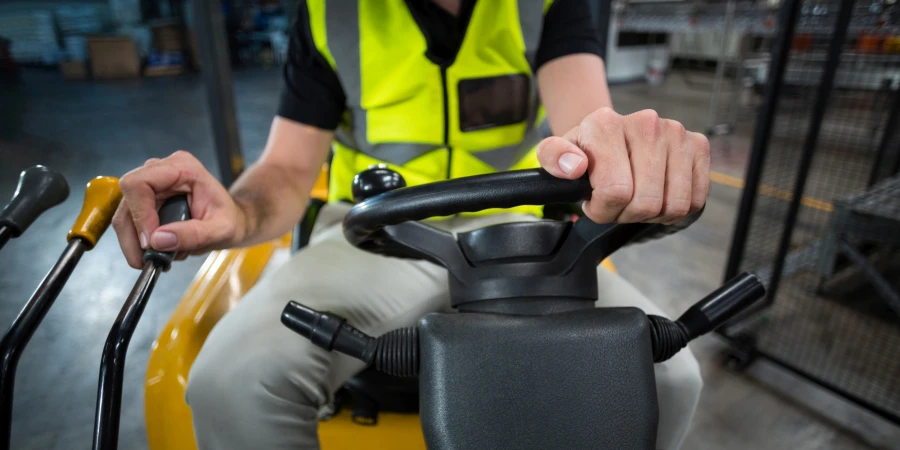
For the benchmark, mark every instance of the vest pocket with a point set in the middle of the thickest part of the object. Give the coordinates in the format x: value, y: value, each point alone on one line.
x: 492, y: 102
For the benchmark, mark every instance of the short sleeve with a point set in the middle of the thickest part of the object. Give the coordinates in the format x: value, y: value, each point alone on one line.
x: 312, y: 92
x: 569, y: 28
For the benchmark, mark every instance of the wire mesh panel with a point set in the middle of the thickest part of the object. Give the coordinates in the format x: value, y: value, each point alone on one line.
x: 825, y: 219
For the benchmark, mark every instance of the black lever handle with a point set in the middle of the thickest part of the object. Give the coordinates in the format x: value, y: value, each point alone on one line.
x: 174, y: 209
x: 395, y: 352
x: 38, y: 190
x: 328, y: 331
x: 722, y: 304
x: 112, y: 363
x: 101, y: 198
x: 714, y: 310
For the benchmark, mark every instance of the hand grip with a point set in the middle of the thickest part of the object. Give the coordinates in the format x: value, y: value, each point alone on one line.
x: 722, y: 304
x: 39, y: 189
x: 328, y: 331
x: 175, y: 209
x: 101, y: 198
x: 668, y: 337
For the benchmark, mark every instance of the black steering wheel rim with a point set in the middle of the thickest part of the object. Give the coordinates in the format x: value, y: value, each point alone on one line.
x: 364, y: 224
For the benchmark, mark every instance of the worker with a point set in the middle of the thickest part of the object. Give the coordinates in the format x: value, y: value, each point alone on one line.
x: 436, y: 89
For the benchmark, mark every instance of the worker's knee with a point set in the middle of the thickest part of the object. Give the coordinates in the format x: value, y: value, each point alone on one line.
x: 257, y: 378
x: 678, y: 386
x: 679, y: 382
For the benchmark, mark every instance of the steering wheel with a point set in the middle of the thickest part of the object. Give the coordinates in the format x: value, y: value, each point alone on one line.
x: 512, y: 260
x: 530, y: 268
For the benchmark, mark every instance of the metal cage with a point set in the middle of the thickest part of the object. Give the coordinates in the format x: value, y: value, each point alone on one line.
x: 819, y: 219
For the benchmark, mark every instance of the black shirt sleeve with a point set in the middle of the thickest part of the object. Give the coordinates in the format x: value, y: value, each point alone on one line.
x: 569, y: 28
x: 312, y: 93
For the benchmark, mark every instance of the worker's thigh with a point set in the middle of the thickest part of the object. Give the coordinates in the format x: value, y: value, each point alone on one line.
x: 678, y: 381
x: 257, y: 383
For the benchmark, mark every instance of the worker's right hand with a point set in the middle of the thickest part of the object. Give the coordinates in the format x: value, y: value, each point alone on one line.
x: 217, y: 222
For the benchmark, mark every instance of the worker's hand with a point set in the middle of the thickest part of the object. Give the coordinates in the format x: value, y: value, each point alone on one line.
x: 216, y: 220
x: 642, y: 168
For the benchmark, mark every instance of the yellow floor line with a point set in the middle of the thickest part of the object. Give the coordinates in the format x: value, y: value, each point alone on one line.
x: 770, y: 191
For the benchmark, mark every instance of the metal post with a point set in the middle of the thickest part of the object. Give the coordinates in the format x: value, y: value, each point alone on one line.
x: 882, y: 287
x: 896, y: 169
x: 216, y: 69
x: 738, y: 83
x: 781, y: 48
x: 820, y: 106
x: 711, y: 125
x: 889, y: 126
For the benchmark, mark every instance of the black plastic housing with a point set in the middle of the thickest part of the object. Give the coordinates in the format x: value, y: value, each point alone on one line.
x: 577, y: 381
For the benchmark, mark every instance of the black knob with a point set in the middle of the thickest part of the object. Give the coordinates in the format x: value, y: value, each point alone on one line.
x: 174, y: 209
x: 374, y: 181
x: 39, y: 189
x: 329, y: 331
x: 722, y: 304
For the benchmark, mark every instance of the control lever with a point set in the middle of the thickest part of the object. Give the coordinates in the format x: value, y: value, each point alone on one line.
x: 38, y: 190
x: 101, y: 198
x: 714, y: 310
x: 112, y: 364
x: 397, y: 352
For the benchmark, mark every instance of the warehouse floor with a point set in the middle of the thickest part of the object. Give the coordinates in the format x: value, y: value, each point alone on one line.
x: 86, y: 129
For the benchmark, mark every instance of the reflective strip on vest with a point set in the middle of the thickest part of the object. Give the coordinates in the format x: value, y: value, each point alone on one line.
x: 342, y: 25
x: 531, y: 20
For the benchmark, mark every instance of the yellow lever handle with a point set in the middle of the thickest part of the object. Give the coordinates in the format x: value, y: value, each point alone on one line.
x: 101, y: 198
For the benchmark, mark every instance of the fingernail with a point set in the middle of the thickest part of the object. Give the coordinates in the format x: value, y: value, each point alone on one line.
x: 163, y: 240
x: 144, y: 241
x: 569, y: 161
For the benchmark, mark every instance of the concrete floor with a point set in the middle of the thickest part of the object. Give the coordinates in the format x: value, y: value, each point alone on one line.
x: 86, y: 129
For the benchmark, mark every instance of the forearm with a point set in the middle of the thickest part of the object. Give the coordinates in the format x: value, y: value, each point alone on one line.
x: 571, y: 88
x: 271, y: 199
x: 272, y: 194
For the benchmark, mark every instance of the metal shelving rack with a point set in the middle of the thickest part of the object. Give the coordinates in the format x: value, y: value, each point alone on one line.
x: 746, y: 20
x: 751, y: 18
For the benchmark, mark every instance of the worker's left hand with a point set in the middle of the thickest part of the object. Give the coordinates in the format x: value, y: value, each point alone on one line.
x: 642, y: 168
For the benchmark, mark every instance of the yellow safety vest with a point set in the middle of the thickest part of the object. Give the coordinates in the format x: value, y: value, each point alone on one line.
x: 403, y: 110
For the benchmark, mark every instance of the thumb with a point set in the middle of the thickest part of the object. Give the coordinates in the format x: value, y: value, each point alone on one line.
x: 186, y: 236
x: 561, y: 158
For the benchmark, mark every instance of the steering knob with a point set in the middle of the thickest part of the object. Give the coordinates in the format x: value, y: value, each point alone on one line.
x: 374, y: 181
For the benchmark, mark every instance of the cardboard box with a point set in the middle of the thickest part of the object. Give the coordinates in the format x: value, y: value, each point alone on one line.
x: 73, y: 70
x: 114, y: 58
x: 161, y: 71
x: 168, y: 38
